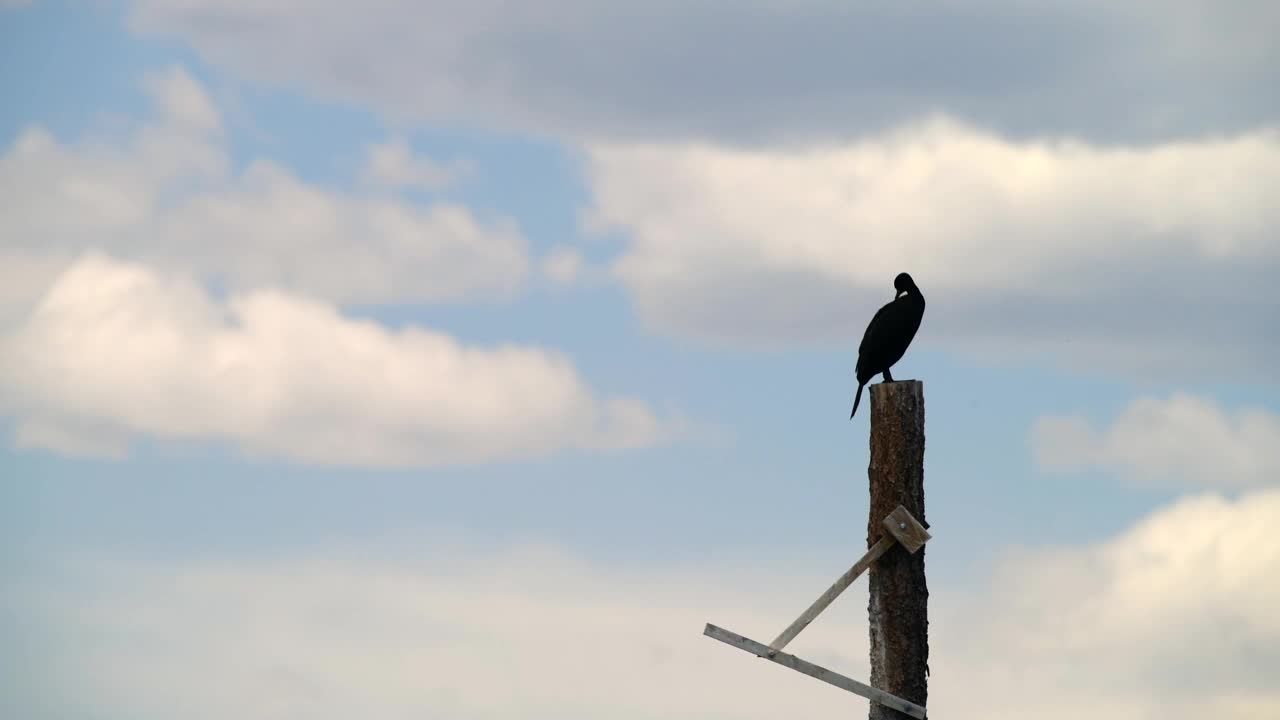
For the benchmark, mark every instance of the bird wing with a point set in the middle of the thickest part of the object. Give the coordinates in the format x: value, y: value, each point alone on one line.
x: 868, y: 338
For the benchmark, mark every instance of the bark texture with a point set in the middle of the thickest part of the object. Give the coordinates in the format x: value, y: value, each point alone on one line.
x: 899, y: 605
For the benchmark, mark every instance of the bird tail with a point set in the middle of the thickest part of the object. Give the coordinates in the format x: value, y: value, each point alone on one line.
x: 856, y: 399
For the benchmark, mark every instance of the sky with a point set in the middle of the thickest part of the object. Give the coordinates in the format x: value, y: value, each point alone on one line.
x: 461, y: 360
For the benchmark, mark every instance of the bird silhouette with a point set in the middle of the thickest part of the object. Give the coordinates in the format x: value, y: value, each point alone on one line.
x: 888, y: 334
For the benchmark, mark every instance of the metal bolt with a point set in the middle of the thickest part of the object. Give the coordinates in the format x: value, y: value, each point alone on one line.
x: 902, y: 526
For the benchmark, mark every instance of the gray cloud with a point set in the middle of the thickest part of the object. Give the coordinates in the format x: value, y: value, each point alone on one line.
x: 1159, y: 261
x: 762, y: 69
x: 1184, y: 440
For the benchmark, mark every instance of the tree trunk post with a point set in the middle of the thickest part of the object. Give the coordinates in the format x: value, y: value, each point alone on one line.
x: 899, y: 606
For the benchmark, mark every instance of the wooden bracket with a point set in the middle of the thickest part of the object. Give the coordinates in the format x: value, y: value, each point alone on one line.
x: 908, y: 531
x: 815, y: 671
x: 902, y: 529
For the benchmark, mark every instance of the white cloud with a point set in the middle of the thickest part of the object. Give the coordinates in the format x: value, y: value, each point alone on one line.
x: 1184, y: 440
x: 563, y: 265
x: 755, y: 68
x: 1161, y: 259
x: 24, y: 277
x: 392, y: 164
x: 165, y: 194
x: 1172, y: 619
x: 183, y: 102
x: 116, y: 350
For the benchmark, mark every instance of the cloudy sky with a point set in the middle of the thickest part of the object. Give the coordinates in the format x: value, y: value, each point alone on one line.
x: 460, y: 360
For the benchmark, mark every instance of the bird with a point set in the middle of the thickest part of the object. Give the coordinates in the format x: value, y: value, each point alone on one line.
x: 888, y: 334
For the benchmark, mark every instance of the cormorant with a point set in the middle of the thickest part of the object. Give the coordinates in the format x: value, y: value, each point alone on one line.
x: 889, y: 334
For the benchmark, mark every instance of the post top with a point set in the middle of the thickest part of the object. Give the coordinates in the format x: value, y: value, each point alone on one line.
x: 898, y: 385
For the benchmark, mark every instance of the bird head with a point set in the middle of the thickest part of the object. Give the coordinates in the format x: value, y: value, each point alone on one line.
x: 903, y: 283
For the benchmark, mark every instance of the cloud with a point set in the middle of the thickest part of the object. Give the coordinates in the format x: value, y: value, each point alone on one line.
x: 1158, y: 259
x: 1184, y: 440
x: 392, y: 164
x: 760, y: 69
x: 562, y: 265
x: 1173, y: 618
x: 183, y: 102
x: 116, y: 350
x: 165, y: 193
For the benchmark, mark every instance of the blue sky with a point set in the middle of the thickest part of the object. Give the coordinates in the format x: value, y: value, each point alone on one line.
x: 326, y: 329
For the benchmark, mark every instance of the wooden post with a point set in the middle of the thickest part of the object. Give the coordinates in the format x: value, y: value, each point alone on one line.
x: 899, y: 605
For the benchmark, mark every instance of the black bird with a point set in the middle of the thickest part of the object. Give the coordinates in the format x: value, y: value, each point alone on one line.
x: 889, y: 334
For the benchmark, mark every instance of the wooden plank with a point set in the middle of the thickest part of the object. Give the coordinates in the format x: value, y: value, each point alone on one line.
x: 906, y: 529
x: 814, y: 671
x: 833, y: 592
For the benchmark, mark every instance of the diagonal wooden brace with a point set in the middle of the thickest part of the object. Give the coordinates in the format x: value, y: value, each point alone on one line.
x: 815, y: 671
x: 902, y: 529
